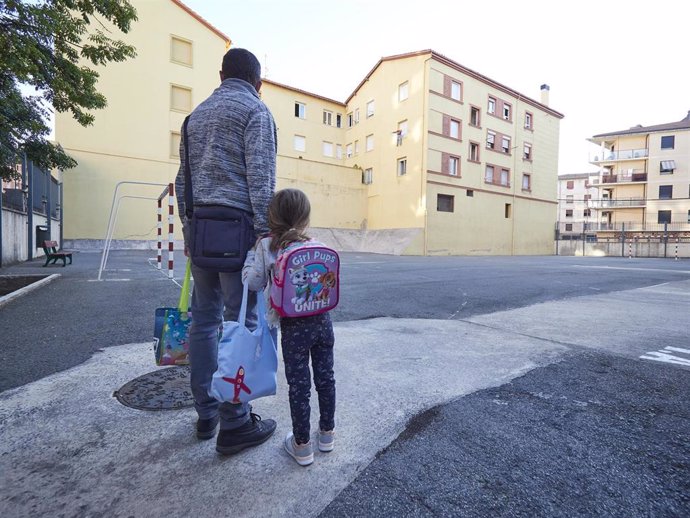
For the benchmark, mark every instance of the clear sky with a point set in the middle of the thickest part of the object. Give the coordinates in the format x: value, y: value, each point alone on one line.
x: 611, y: 64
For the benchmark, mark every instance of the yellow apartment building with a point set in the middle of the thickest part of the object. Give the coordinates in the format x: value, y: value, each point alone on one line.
x: 425, y: 157
x: 136, y: 137
x: 644, y: 181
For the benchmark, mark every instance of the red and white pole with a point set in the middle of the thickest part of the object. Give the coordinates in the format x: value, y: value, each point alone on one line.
x: 160, y: 234
x: 171, y: 237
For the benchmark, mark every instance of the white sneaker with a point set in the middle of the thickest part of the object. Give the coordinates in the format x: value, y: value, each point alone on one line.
x: 326, y: 440
x: 302, y: 453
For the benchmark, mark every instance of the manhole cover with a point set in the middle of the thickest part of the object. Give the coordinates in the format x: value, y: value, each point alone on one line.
x: 163, y: 389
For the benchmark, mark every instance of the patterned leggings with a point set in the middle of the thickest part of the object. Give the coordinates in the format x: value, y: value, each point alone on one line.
x: 302, y: 337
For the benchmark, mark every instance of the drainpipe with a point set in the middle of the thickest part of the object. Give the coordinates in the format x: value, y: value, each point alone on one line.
x: 0, y: 223
x: 425, y: 157
x: 61, y: 187
x: 29, y: 169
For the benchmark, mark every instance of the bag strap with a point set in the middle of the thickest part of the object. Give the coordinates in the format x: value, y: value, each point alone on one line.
x: 260, y: 306
x: 188, y: 194
x: 183, y: 305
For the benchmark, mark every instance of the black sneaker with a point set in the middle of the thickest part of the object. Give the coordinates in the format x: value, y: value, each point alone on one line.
x: 252, y: 433
x: 206, y: 428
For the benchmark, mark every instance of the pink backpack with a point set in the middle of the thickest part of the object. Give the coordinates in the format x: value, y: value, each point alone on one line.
x: 306, y: 280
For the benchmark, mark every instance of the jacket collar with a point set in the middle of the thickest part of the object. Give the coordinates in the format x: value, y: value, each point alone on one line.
x: 239, y: 84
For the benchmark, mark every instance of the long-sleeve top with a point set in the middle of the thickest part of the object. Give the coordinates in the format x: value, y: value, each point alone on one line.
x: 232, y: 153
x: 258, y: 272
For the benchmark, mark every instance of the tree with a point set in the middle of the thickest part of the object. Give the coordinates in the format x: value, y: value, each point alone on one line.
x: 50, y: 45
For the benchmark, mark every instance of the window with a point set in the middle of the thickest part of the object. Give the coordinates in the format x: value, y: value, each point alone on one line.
x: 368, y: 176
x: 528, y: 120
x: 454, y: 128
x: 507, y: 112
x: 370, y: 109
x: 526, y: 182
x: 505, y: 144
x: 445, y: 203
x: 474, y: 116
x: 570, y: 184
x: 569, y: 213
x: 348, y: 150
x: 507, y: 210
x: 328, y: 118
x: 180, y: 98
x: 490, y: 139
x: 402, y: 166
x: 403, y: 91
x: 569, y: 198
x: 474, y: 152
x: 664, y: 216
x: 357, y: 116
x: 349, y: 120
x: 175, y: 144
x: 527, y: 151
x: 489, y: 174
x: 689, y: 216
x: 402, y: 128
x: 301, y: 110
x: 491, y: 107
x: 339, y: 151
x: 470, y: 193
x: 667, y: 166
x: 339, y: 120
x: 455, y: 90
x: 181, y: 51
x: 587, y: 213
x: 327, y: 149
x: 356, y: 147
x: 505, y: 177
x: 666, y: 192
x: 568, y: 227
x: 300, y: 143
x: 370, y: 143
x: 668, y: 142
x: 453, y: 166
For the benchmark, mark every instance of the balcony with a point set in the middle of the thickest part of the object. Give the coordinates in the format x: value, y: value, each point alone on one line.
x: 618, y: 203
x: 624, y: 178
x: 624, y: 154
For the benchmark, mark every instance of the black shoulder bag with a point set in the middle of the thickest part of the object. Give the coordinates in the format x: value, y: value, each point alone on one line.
x: 219, y: 236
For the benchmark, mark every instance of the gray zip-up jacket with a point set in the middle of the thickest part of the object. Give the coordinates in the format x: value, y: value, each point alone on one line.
x: 232, y: 153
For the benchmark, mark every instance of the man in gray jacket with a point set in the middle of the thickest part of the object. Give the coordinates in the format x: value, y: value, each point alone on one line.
x: 231, y: 138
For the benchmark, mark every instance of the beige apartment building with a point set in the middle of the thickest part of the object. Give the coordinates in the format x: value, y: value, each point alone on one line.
x: 644, y: 179
x: 577, y: 195
x: 425, y: 157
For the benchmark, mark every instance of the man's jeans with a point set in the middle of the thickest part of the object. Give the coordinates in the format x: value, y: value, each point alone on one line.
x: 216, y: 297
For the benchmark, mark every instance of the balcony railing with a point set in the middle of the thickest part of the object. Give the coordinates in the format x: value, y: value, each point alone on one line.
x: 618, y: 203
x: 634, y: 226
x: 624, y: 154
x: 625, y: 177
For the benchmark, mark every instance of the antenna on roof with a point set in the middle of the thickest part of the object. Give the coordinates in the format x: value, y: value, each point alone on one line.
x: 266, y: 66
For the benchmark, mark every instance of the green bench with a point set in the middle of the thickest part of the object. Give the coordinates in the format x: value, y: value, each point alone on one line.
x: 53, y: 254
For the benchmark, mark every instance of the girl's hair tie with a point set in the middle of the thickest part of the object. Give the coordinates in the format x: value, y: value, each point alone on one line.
x: 289, y: 230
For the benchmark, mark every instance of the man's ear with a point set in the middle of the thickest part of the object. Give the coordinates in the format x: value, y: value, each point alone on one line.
x: 222, y: 76
x: 258, y: 85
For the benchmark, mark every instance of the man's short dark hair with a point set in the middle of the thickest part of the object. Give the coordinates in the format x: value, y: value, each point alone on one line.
x: 241, y: 64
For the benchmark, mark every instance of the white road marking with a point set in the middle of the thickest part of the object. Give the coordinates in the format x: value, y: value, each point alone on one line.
x: 664, y: 355
x: 678, y: 350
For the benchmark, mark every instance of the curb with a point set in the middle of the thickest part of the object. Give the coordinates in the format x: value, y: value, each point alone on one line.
x: 26, y: 289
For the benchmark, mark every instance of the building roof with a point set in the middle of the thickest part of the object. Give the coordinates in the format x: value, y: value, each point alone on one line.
x: 303, y: 92
x: 204, y: 22
x: 669, y: 126
x: 457, y: 66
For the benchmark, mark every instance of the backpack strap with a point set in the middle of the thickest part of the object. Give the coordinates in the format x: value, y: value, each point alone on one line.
x: 188, y: 194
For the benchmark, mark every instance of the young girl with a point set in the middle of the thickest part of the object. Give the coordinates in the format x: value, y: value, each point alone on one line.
x: 301, y: 338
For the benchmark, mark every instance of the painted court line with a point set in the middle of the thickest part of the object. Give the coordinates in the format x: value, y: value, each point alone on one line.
x: 684, y: 272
